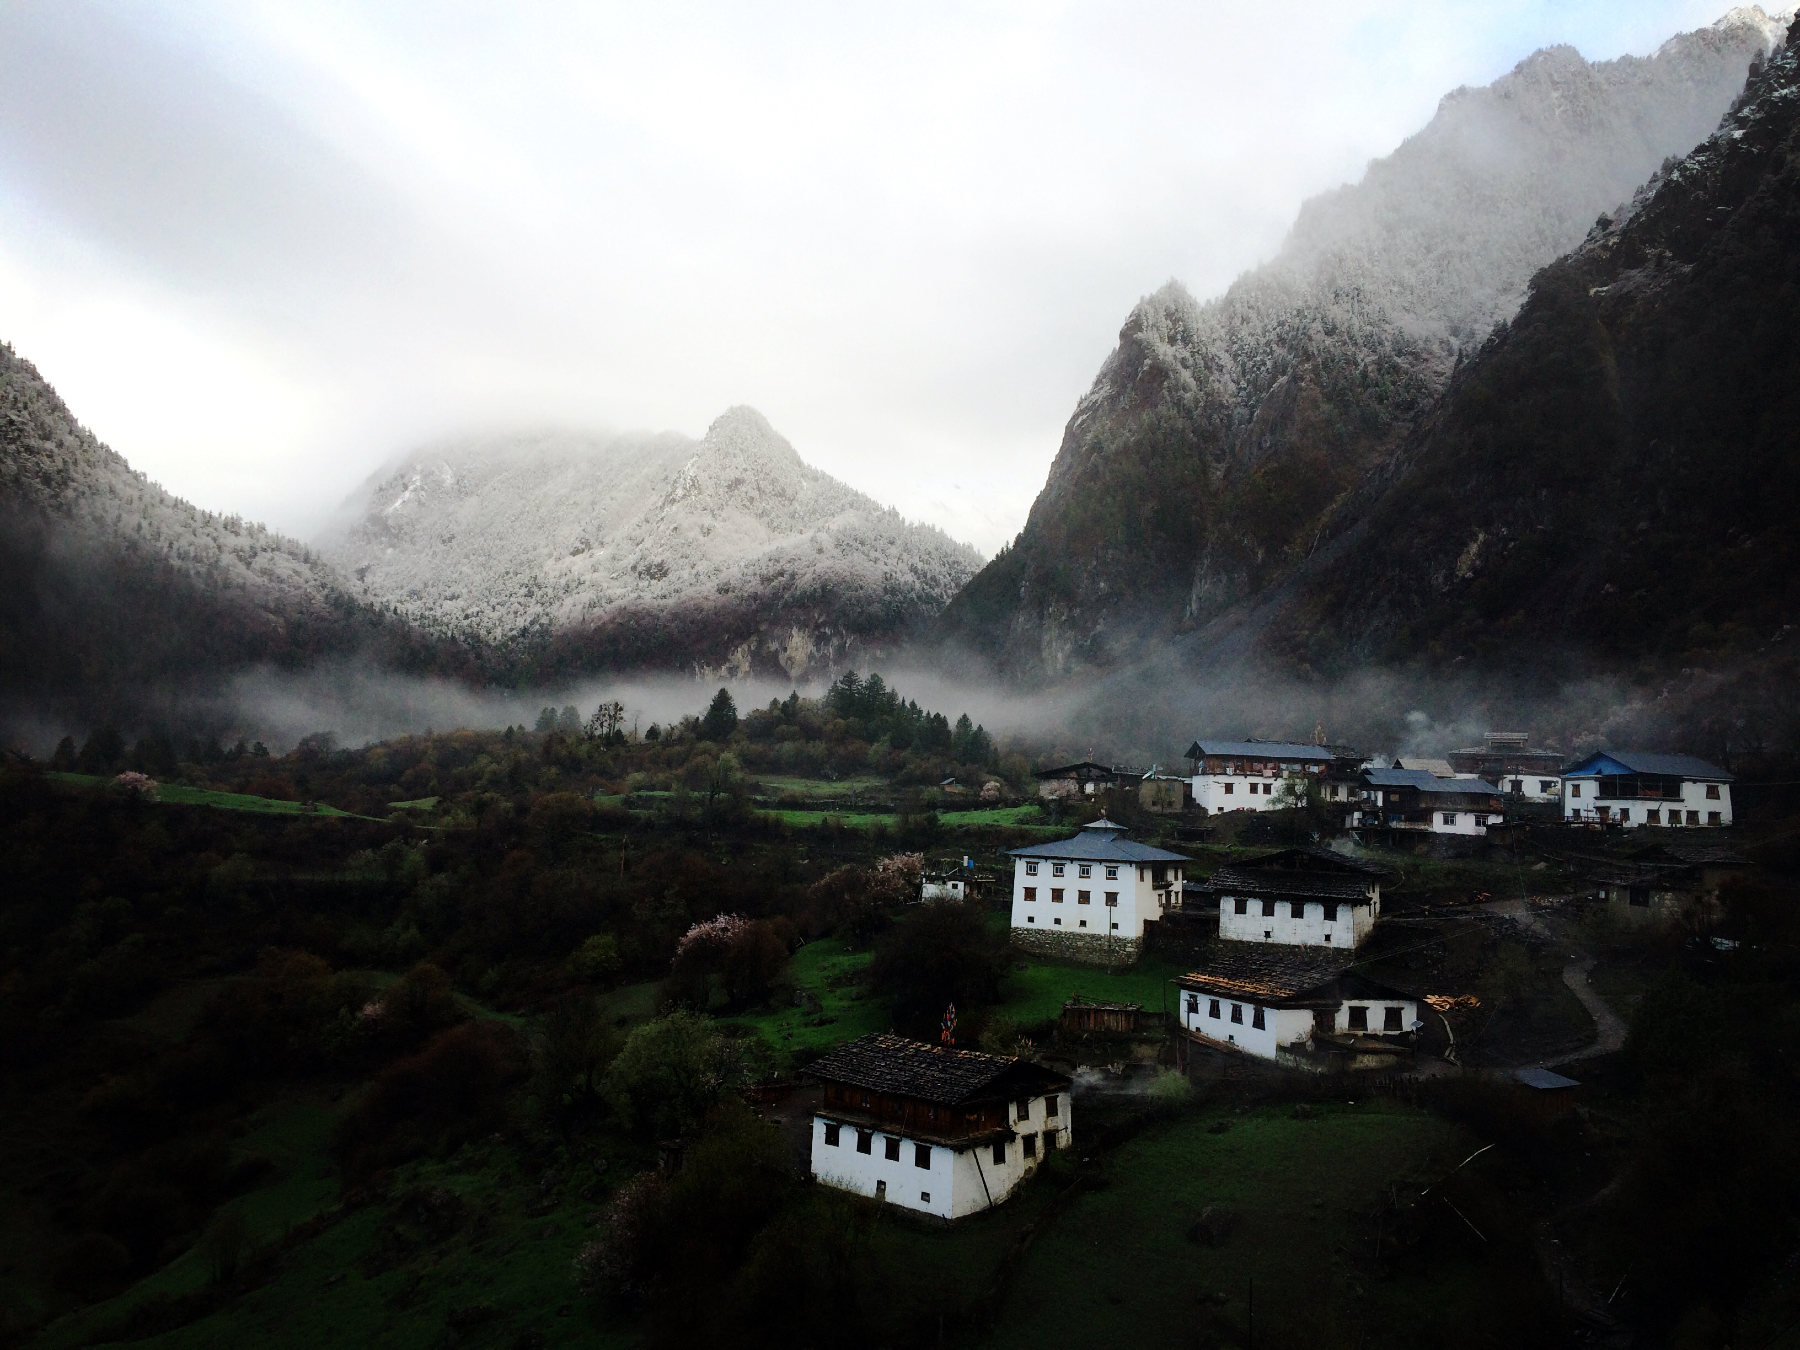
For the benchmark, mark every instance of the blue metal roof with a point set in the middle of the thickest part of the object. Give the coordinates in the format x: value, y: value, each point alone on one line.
x: 1611, y: 762
x: 1543, y: 1079
x: 1259, y: 750
x: 1099, y: 842
x: 1425, y: 781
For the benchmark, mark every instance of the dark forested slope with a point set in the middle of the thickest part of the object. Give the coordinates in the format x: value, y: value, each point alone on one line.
x: 1221, y: 438
x: 111, y: 587
x: 1616, y: 474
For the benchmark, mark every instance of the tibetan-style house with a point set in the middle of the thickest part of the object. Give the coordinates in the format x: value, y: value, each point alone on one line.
x: 1300, y: 897
x: 931, y: 1128
x: 1306, y: 1008
x: 1089, y: 897
x: 1634, y: 789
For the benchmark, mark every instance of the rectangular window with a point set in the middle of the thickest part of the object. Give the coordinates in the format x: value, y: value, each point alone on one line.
x: 1112, y: 874
x: 1000, y: 1151
x: 865, y: 1141
x: 922, y: 1156
x: 1022, y: 1108
x: 1193, y: 1003
x: 1212, y: 1009
x: 881, y: 1190
x: 1449, y: 817
x: 1268, y: 909
x: 1574, y: 789
x: 1031, y: 918
x: 1050, y: 1105
x: 1714, y: 818
x: 1693, y: 817
x: 1237, y: 1013
x: 1083, y: 897
x: 1083, y: 923
x: 1031, y: 869
x: 1652, y: 817
x: 1085, y: 870
x: 1390, y: 1019
x: 1330, y: 913
x: 1057, y: 922
x: 1256, y: 1019
x: 1546, y: 785
x: 1056, y: 869
x: 1112, y: 898
x: 1359, y: 1019
x: 1712, y: 792
x: 1228, y: 788
x: 1029, y: 1143
x: 1241, y: 905
x: 1049, y: 1141
x: 1298, y: 908
x: 1056, y: 895
x: 831, y: 1134
x: 1115, y: 925
x: 924, y: 1197
x: 1031, y: 892
x: 892, y: 1151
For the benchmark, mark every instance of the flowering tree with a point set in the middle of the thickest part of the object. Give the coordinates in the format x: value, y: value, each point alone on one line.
x: 138, y: 785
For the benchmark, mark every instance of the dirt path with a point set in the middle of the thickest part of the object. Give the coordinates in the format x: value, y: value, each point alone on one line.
x: 1609, y: 1027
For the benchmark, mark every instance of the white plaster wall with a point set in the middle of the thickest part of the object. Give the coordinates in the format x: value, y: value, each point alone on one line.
x: 1409, y: 1013
x: 1693, y: 798
x: 849, y: 1170
x: 1466, y: 822
x: 1532, y: 791
x: 1281, y: 1026
x: 1354, y: 923
x: 1217, y: 792
x: 1139, y: 900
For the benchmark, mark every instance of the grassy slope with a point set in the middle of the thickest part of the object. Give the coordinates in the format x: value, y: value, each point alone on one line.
x: 174, y: 794
x: 841, y: 1015
x: 1117, y: 1268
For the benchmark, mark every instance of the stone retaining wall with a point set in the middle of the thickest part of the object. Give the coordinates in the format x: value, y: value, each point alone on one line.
x: 1090, y: 949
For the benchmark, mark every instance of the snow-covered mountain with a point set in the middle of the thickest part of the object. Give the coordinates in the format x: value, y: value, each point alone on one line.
x: 646, y: 549
x: 1218, y: 437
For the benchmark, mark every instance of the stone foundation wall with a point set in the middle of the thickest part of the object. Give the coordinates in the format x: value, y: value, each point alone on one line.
x: 1094, y: 949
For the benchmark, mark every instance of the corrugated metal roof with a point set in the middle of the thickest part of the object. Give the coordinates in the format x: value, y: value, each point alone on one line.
x: 1259, y: 750
x: 1425, y: 782
x: 1100, y: 842
x: 1543, y: 1079
x: 1638, y: 761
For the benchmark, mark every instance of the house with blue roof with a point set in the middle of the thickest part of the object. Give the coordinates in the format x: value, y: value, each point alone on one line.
x: 1417, y: 799
x: 1634, y: 789
x: 1089, y: 897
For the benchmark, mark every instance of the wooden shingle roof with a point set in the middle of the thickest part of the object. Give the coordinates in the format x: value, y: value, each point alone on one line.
x: 1280, y: 881
x: 932, y: 1073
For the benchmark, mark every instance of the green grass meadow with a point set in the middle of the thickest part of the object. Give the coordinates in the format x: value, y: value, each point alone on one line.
x: 174, y: 794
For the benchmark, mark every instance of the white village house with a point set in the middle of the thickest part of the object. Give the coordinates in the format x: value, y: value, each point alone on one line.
x: 1415, y: 799
x: 1246, y: 775
x: 1634, y: 789
x: 1508, y: 761
x: 931, y: 1128
x: 1089, y: 897
x: 1298, y: 897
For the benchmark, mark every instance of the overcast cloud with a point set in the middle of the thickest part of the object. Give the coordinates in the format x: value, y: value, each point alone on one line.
x: 262, y: 247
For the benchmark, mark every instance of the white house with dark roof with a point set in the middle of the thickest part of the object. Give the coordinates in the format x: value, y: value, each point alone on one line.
x: 1247, y: 775
x: 1635, y: 789
x: 1089, y: 897
x: 1298, y: 897
x: 931, y: 1128
x: 1303, y: 1007
x: 1416, y: 799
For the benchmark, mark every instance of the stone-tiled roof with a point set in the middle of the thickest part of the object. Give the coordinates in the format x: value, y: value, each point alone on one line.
x: 932, y: 1073
x: 1259, y: 750
x: 1268, y: 970
x: 1282, y: 881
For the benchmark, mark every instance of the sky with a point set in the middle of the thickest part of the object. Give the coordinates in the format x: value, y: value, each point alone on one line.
x: 261, y: 248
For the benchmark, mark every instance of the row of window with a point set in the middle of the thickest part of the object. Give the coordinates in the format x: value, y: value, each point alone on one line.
x: 890, y: 1145
x: 1391, y: 1016
x: 1267, y: 789
x: 1296, y: 908
x: 1081, y: 897
x: 1081, y: 870
x: 1712, y: 791
x: 1654, y: 816
x: 1032, y: 918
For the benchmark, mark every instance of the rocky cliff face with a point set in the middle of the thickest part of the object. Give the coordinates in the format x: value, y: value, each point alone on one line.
x: 729, y: 552
x: 1221, y: 439
x: 1613, y: 475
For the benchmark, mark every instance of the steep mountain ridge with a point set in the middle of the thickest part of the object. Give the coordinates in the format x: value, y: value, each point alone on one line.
x: 1208, y: 457
x: 114, y: 592
x: 647, y: 550
x: 1612, y: 476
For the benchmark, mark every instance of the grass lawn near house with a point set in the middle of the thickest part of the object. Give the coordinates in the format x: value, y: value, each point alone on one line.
x: 1037, y: 993
x: 1117, y: 1268
x: 175, y: 794
x: 820, y: 787
x: 851, y: 820
x: 842, y: 1013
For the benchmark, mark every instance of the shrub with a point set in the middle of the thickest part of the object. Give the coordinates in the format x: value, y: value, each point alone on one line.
x: 669, y: 1073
